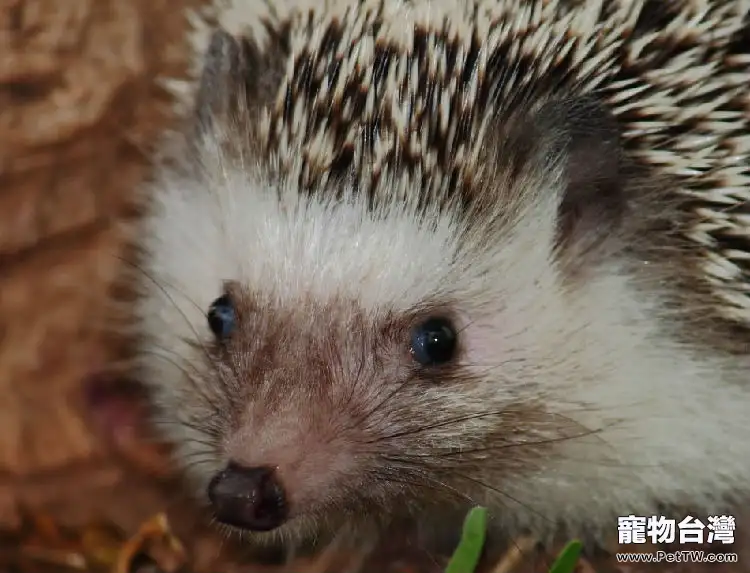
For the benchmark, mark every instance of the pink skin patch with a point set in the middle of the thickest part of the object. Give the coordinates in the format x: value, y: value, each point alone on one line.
x: 118, y: 412
x: 114, y: 407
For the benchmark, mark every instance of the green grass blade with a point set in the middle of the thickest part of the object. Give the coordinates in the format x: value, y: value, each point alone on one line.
x: 467, y: 554
x: 566, y: 561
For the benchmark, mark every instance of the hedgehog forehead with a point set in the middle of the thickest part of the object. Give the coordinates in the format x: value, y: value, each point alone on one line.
x: 330, y: 251
x: 289, y: 247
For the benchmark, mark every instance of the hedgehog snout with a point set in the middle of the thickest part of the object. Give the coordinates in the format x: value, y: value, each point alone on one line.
x: 250, y: 498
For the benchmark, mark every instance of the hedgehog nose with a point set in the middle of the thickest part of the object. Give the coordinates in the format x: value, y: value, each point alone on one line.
x: 248, y: 498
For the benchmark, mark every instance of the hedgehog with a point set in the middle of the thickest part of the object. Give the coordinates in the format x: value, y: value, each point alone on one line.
x: 406, y: 257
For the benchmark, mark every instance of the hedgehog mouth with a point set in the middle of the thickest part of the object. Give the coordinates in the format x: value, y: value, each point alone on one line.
x: 269, y: 536
x: 296, y: 530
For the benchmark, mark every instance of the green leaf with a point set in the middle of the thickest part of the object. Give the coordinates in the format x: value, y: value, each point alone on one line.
x: 566, y: 561
x: 469, y: 550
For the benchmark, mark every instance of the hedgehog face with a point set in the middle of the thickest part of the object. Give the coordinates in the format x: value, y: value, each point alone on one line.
x: 328, y: 354
x: 302, y: 357
x: 320, y: 359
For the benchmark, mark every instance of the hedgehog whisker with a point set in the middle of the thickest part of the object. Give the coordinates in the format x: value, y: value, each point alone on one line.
x: 197, y: 340
x: 208, y: 429
x: 501, y: 493
x: 368, y: 414
x: 498, y: 447
x: 201, y: 427
x: 192, y: 464
x: 408, y: 468
x: 439, y: 424
x: 203, y: 390
x: 136, y: 267
x: 209, y: 442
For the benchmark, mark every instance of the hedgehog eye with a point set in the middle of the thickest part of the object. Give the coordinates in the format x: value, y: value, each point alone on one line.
x: 433, y: 342
x: 221, y: 317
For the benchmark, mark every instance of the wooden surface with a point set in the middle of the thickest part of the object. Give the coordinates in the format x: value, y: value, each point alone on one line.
x: 79, y: 108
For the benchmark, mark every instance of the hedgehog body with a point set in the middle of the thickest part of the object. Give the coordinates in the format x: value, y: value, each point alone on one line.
x: 563, y: 186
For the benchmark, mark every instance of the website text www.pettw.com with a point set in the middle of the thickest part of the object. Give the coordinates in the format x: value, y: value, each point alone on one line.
x: 692, y: 556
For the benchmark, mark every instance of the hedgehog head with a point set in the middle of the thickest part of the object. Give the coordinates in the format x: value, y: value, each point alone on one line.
x: 349, y: 321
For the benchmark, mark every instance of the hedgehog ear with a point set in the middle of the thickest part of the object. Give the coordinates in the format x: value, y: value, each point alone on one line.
x: 221, y: 79
x: 582, y: 138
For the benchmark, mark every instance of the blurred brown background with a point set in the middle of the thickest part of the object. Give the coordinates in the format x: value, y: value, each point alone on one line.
x: 79, y: 110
